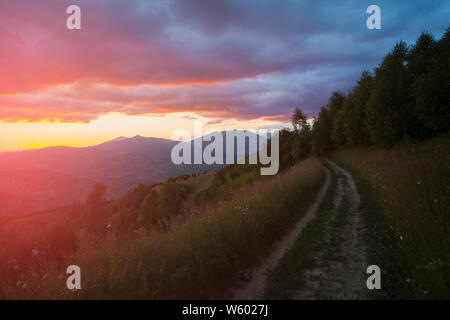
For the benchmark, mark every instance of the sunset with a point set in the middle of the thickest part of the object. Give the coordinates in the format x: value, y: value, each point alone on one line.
x: 132, y: 66
x: 217, y: 152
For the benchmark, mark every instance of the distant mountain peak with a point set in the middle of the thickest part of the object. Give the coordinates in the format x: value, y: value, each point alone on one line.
x: 119, y: 139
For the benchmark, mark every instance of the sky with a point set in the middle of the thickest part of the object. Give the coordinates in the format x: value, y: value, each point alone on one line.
x: 149, y: 67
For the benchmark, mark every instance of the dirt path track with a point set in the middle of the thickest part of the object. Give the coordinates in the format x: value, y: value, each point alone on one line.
x: 255, y: 287
x: 339, y: 268
x: 341, y: 260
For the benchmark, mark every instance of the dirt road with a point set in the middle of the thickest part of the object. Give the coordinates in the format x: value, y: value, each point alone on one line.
x: 339, y: 269
x: 339, y: 260
x: 254, y: 288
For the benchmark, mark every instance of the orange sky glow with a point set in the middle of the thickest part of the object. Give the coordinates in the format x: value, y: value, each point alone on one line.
x: 33, y: 135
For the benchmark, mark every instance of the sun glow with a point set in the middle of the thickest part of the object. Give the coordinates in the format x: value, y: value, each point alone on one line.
x: 33, y: 135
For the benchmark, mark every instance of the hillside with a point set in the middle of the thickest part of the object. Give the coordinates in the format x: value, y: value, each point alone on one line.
x: 407, y: 194
x: 212, y: 230
x: 47, y: 178
x: 164, y: 226
x: 25, y: 191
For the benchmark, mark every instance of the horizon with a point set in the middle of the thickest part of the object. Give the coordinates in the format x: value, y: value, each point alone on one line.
x: 121, y: 138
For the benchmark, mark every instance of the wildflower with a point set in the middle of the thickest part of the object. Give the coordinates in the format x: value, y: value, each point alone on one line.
x: 418, y: 182
x: 401, y: 237
x: 425, y: 292
x: 435, y: 200
x: 408, y: 280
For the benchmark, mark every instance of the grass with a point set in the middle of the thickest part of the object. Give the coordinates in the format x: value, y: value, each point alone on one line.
x: 382, y: 248
x: 200, y: 183
x: 199, y: 258
x: 408, y: 194
x: 320, y: 241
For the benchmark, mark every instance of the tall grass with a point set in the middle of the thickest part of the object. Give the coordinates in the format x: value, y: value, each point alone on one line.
x: 201, y: 258
x: 412, y: 185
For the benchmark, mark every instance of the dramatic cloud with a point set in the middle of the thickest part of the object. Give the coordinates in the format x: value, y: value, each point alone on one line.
x: 220, y: 59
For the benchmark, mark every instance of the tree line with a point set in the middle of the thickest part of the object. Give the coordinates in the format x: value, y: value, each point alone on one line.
x: 404, y: 98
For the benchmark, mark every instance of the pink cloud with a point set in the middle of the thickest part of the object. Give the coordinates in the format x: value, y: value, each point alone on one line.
x: 115, y: 46
x: 85, y: 102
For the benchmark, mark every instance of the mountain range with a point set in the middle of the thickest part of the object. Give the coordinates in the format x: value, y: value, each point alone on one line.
x: 42, y: 179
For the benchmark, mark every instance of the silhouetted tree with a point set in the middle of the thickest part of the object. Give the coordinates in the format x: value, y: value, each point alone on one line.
x: 429, y: 64
x: 354, y: 111
x: 299, y: 120
x: 301, y: 140
x: 338, y: 132
x: 388, y: 116
x: 321, y: 133
x: 149, y: 214
x: 95, y: 210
